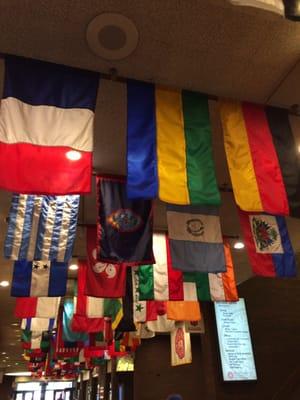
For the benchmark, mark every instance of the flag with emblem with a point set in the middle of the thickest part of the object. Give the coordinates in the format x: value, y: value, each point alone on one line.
x: 90, y: 311
x: 189, y: 308
x: 196, y: 242
x: 102, y: 279
x: 41, y: 227
x: 124, y: 226
x: 160, y: 281
x: 268, y: 244
x: 39, y: 307
x: 157, y: 318
x: 46, y: 129
x: 39, y: 279
x: 216, y: 286
x: 181, y: 351
x: 38, y: 324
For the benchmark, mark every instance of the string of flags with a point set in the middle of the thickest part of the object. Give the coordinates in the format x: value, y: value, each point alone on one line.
x: 132, y: 282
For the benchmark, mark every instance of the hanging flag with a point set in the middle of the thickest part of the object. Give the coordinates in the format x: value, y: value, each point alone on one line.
x: 216, y: 287
x: 157, y: 319
x: 102, y: 279
x: 181, y: 351
x: 41, y: 227
x: 39, y: 279
x: 268, y: 245
x: 124, y: 226
x: 160, y: 281
x: 189, y: 308
x: 196, y: 242
x: 35, y: 340
x: 38, y: 324
x: 39, y: 307
x: 262, y: 157
x: 275, y: 6
x: 46, y: 129
x: 169, y: 151
x: 68, y: 335
x: 90, y: 311
x: 126, y: 324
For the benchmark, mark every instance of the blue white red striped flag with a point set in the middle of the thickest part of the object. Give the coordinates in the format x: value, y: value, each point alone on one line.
x: 41, y: 227
x: 39, y: 279
x: 38, y: 324
x: 46, y: 129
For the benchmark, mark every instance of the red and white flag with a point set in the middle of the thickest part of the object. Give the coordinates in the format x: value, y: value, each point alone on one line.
x: 37, y: 307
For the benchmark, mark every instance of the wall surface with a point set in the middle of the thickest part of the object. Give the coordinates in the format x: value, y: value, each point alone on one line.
x: 273, y: 307
x: 6, y: 388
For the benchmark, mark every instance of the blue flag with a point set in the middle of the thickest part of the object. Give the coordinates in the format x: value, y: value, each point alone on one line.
x: 41, y: 227
x: 125, y: 226
x: 39, y: 279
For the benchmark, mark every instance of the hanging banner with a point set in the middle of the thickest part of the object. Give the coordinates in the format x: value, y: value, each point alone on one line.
x: 181, y: 352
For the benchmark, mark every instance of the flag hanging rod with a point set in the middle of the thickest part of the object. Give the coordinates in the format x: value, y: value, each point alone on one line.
x: 113, y: 75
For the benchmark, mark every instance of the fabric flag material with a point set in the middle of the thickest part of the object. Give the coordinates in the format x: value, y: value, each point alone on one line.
x: 46, y: 127
x: 41, y: 227
x: 262, y: 157
x: 275, y: 6
x: 38, y: 324
x: 216, y: 287
x: 160, y: 281
x: 39, y: 307
x: 102, y: 279
x: 68, y: 335
x: 268, y: 245
x: 157, y: 319
x: 124, y: 226
x: 196, y: 242
x: 39, y: 279
x: 181, y: 351
x: 126, y: 324
x: 189, y: 308
x: 169, y: 151
x: 31, y: 340
x: 90, y: 311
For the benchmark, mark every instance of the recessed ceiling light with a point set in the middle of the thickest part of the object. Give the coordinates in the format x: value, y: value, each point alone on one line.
x: 238, y: 245
x: 112, y: 36
x: 3, y: 352
x: 15, y: 324
x: 73, y: 155
x: 73, y: 267
x: 4, y: 283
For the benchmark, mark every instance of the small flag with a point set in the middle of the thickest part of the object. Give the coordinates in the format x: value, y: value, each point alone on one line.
x: 262, y: 157
x: 39, y: 307
x: 39, y: 279
x: 68, y: 335
x: 196, y: 242
x: 126, y: 324
x: 157, y: 319
x: 124, y: 226
x: 169, y: 151
x: 46, y: 129
x: 41, y: 227
x: 216, y: 287
x: 275, y: 6
x: 90, y: 311
x: 187, y: 310
x: 268, y: 244
x: 38, y: 324
x: 160, y: 281
x: 103, y: 279
x: 181, y: 352
x: 35, y: 340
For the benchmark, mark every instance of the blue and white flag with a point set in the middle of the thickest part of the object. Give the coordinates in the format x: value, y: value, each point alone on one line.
x: 38, y: 324
x: 41, y: 227
x: 39, y: 279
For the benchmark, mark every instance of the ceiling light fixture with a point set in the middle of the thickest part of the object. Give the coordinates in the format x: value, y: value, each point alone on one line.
x: 238, y: 245
x: 4, y: 283
x: 112, y: 36
x: 73, y: 267
x: 25, y: 373
x: 73, y: 155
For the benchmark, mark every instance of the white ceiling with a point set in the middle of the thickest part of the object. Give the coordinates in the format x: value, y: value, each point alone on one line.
x: 206, y: 45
